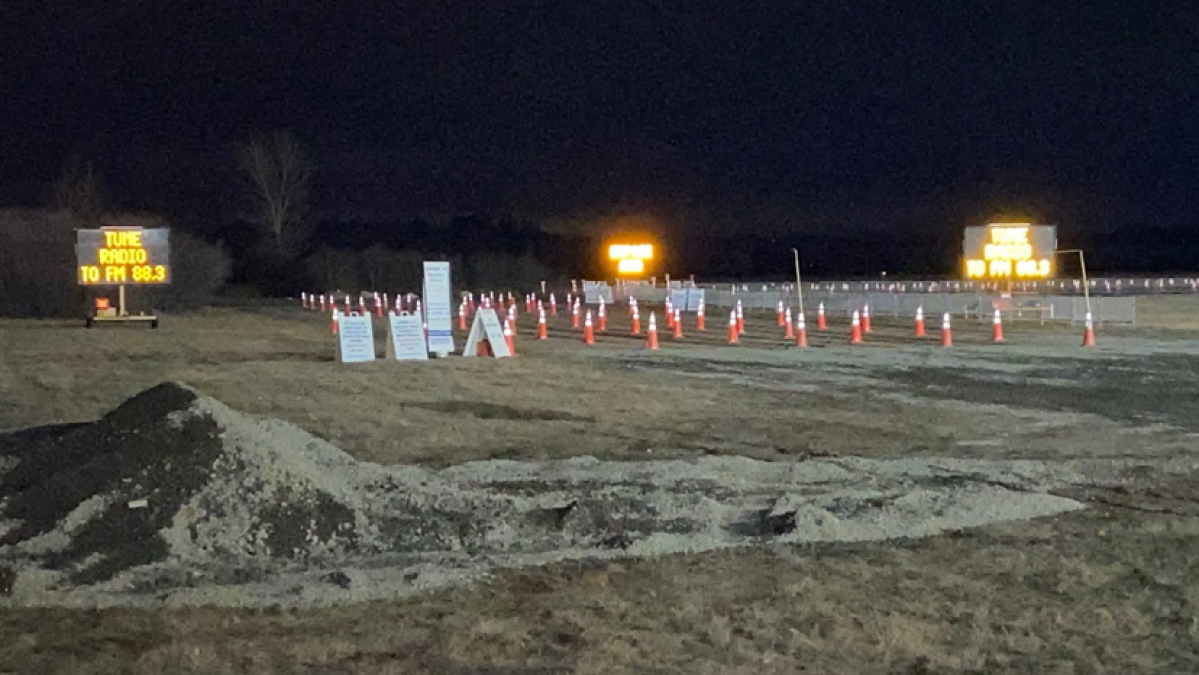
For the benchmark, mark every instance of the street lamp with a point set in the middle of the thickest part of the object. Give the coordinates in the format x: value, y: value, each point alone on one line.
x: 1082, y: 261
x: 798, y: 281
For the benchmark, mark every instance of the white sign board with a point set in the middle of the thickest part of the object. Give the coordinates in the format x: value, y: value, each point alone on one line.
x: 594, y: 290
x: 439, y: 313
x: 695, y: 297
x: 406, y: 338
x: 355, y: 339
x: 678, y: 299
x: 486, y: 327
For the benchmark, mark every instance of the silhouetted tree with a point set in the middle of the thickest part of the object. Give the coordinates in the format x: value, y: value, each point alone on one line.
x: 280, y: 175
x: 79, y: 190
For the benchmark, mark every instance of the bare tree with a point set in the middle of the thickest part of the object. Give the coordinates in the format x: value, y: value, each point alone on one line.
x: 280, y: 173
x: 78, y: 189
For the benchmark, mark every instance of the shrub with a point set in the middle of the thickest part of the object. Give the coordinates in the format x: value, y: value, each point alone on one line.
x: 37, y: 264
x: 39, y: 278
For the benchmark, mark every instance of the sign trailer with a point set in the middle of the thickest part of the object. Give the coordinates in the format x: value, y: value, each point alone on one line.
x: 122, y: 256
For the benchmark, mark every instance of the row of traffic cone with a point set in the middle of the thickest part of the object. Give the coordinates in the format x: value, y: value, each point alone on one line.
x: 860, y: 324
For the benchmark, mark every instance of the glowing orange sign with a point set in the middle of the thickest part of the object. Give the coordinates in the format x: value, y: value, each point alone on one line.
x: 630, y: 258
x: 1005, y: 250
x: 115, y: 256
x: 630, y: 266
x: 633, y: 251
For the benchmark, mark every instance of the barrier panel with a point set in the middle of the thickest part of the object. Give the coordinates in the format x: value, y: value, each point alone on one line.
x: 977, y: 306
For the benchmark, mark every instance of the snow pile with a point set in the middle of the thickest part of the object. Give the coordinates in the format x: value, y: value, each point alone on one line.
x: 174, y: 498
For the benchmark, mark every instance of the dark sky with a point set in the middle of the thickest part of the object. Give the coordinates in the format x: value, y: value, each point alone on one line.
x: 790, y: 115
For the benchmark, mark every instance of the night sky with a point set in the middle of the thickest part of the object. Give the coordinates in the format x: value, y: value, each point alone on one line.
x: 764, y: 117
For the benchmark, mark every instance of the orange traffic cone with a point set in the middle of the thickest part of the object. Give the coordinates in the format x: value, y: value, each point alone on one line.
x: 866, y: 320
x: 509, y: 337
x: 740, y: 319
x: 603, y: 317
x: 855, y: 329
x: 820, y: 322
x: 541, y: 330
x: 1088, y: 337
x: 462, y: 316
x: 801, y: 330
x: 636, y: 322
x: 678, y: 325
x: 699, y: 318
x: 669, y: 314
x: 322, y: 302
x: 781, y: 319
x: 651, y: 341
x: 920, y: 321
x: 946, y: 331
x: 997, y: 328
x: 733, y: 332
x: 553, y: 305
x: 574, y: 316
x: 588, y: 332
x: 790, y: 334
x: 335, y: 321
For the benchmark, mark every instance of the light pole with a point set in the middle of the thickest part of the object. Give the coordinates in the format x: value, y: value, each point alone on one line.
x: 798, y: 281
x: 1082, y: 261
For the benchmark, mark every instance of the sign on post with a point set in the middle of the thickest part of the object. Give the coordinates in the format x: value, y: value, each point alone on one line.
x: 118, y: 256
x: 406, y: 338
x: 355, y: 338
x: 439, y: 313
x: 486, y: 327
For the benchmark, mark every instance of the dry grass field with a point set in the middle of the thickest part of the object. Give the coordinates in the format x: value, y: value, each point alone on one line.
x: 1111, y: 589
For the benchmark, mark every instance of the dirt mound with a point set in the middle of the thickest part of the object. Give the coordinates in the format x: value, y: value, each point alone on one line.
x: 174, y: 497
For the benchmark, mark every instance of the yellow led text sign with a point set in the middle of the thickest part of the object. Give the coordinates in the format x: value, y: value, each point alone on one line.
x: 114, y: 256
x: 1007, y: 250
x: 630, y: 258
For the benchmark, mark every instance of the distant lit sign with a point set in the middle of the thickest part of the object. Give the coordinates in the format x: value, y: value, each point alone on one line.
x: 630, y: 258
x: 631, y: 251
x: 1009, y: 250
x: 114, y: 256
x: 630, y: 266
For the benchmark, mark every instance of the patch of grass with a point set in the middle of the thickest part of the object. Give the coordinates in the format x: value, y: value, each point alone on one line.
x: 495, y: 411
x: 1102, y: 591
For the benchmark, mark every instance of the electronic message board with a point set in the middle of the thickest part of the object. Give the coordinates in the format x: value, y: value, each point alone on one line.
x: 115, y: 256
x: 1009, y: 250
x: 630, y: 258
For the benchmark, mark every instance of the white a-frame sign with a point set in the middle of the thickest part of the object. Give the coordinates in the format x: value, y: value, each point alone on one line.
x: 406, y: 338
x: 486, y: 328
x: 355, y: 339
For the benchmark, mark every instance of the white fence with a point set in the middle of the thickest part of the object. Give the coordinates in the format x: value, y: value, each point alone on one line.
x: 981, y: 306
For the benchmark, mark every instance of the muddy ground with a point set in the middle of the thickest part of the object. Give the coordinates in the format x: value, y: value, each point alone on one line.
x: 1112, y: 588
